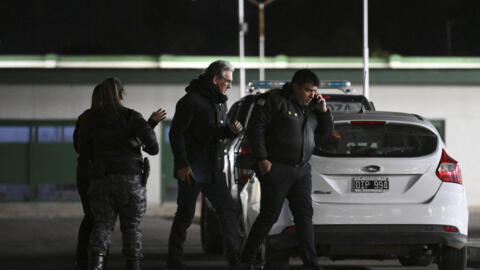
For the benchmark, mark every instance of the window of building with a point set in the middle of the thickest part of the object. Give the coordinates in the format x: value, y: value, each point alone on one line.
x: 37, y: 160
x: 14, y: 134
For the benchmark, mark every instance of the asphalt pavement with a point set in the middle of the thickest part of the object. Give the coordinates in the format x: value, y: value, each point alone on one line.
x: 43, y: 237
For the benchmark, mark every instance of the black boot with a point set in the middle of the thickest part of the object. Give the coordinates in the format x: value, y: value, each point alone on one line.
x: 133, y: 265
x: 96, y: 262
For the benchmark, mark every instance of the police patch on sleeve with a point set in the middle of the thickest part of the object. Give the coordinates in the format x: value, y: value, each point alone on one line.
x: 261, y: 101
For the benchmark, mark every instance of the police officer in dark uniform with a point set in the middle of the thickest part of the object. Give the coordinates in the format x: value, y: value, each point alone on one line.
x: 83, y: 181
x: 110, y: 139
x: 284, y: 127
x: 197, y: 136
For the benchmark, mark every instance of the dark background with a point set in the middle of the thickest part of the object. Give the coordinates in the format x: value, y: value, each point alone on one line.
x: 210, y: 27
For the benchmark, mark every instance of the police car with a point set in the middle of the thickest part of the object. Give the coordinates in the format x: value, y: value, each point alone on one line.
x: 383, y: 185
x: 241, y: 179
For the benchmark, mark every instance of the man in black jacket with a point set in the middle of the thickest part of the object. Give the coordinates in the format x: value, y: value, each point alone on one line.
x: 284, y: 128
x: 197, y: 134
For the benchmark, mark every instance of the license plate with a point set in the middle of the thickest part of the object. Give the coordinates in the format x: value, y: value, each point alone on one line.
x: 370, y: 184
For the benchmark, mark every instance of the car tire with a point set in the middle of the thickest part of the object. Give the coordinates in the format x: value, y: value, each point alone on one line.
x: 452, y: 258
x: 275, y: 259
x: 415, y: 261
x: 210, y: 235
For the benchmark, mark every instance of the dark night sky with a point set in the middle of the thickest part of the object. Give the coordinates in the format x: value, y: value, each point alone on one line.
x: 209, y: 27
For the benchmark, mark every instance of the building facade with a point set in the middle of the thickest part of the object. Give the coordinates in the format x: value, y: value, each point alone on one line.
x: 41, y: 97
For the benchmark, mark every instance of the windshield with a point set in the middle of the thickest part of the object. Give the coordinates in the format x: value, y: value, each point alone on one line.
x: 378, y: 140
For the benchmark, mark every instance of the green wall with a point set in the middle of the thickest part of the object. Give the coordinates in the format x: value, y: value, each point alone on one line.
x: 42, y: 163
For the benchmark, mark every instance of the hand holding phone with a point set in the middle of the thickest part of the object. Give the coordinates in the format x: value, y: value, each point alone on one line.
x: 320, y: 103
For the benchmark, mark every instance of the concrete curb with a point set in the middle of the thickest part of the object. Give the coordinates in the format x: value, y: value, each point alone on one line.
x: 73, y: 209
x: 67, y: 209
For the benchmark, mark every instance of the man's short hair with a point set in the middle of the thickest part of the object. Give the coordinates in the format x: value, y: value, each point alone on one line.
x: 303, y: 76
x: 218, y: 68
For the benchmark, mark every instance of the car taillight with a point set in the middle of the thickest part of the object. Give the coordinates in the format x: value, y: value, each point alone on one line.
x: 450, y: 229
x: 448, y: 170
x: 289, y: 230
x: 245, y: 149
x: 245, y: 174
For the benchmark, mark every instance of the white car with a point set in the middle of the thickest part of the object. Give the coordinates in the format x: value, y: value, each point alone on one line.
x: 383, y: 185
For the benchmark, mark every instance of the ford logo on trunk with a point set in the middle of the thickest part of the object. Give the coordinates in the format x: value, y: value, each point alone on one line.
x: 371, y: 168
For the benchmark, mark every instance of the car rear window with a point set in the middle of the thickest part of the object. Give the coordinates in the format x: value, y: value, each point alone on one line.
x: 378, y: 140
x: 338, y: 106
x: 348, y: 103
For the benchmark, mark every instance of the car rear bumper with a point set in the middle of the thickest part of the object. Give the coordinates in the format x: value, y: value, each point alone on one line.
x: 373, y: 236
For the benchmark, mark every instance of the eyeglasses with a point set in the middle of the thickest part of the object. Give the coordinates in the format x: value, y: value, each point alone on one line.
x: 227, y: 80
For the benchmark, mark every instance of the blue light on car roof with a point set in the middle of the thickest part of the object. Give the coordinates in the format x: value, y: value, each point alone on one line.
x: 334, y: 84
x: 267, y: 84
x: 324, y: 84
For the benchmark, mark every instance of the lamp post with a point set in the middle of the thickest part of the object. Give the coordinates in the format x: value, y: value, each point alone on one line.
x: 366, y: 80
x: 242, y: 29
x: 261, y: 33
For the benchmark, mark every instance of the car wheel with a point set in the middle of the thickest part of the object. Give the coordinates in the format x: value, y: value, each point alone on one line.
x: 415, y: 261
x: 209, y: 229
x: 275, y: 259
x: 452, y: 258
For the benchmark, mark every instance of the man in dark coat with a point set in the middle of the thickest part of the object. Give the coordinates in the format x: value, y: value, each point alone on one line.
x: 197, y: 136
x: 284, y: 127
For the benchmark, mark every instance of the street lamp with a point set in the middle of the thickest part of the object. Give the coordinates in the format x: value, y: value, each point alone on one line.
x: 261, y: 32
x: 242, y: 29
x: 366, y: 76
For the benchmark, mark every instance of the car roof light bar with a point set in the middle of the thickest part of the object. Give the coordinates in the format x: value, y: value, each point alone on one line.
x: 343, y: 86
x: 266, y: 84
x: 334, y: 84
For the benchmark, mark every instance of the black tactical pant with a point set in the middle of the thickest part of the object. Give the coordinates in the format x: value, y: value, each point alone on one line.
x: 87, y: 222
x: 113, y: 195
x: 226, y: 210
x: 285, y: 182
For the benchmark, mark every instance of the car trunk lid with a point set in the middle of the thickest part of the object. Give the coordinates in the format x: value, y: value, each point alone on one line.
x: 376, y: 162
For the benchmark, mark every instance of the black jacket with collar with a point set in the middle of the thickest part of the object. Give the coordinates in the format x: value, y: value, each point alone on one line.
x: 282, y: 130
x: 199, y: 128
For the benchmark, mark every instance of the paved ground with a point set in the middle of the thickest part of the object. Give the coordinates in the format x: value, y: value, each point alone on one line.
x: 40, y: 240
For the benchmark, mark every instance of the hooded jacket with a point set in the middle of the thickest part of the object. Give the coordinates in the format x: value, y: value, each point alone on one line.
x: 282, y: 130
x: 199, y: 129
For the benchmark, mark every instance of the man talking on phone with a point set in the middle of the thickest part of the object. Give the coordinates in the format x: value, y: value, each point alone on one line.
x: 283, y: 130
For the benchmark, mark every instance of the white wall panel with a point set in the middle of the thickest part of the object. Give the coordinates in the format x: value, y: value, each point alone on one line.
x: 457, y: 105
